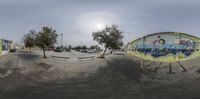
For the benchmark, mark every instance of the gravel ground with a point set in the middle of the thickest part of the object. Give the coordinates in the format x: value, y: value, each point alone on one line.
x: 28, y: 76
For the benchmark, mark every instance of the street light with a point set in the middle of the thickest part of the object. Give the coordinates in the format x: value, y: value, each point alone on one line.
x: 61, y: 39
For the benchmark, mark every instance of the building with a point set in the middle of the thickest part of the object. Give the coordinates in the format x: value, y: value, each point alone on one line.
x: 125, y: 49
x: 5, y: 46
x: 165, y: 44
x: 17, y: 46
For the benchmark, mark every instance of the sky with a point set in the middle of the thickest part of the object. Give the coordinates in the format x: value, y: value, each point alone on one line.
x: 77, y: 19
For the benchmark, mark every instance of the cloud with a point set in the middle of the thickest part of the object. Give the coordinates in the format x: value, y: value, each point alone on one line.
x: 75, y: 18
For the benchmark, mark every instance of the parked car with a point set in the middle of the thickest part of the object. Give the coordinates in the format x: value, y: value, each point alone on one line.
x: 91, y: 51
x: 59, y: 49
x: 83, y: 50
x: 78, y: 50
x: 49, y: 49
x: 68, y: 50
x: 13, y: 50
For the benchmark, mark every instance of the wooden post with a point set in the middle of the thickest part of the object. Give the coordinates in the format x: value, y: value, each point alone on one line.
x: 142, y: 64
x: 156, y: 69
x: 170, y: 69
x: 184, y: 69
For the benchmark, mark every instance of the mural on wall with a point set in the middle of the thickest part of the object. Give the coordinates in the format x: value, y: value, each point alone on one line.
x: 166, y: 44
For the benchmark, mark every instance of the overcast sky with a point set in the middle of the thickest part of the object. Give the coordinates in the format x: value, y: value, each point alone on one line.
x: 76, y: 19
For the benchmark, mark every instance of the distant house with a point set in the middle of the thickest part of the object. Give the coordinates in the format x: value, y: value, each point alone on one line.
x: 17, y: 46
x: 5, y: 46
x: 125, y: 49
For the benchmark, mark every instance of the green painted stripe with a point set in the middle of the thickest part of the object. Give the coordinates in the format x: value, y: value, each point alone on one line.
x: 0, y: 46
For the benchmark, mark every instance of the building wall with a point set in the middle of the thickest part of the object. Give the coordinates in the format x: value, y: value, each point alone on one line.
x: 5, y: 46
x: 0, y: 46
x: 166, y: 46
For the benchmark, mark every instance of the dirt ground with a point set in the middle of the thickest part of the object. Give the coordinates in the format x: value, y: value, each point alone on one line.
x: 119, y: 76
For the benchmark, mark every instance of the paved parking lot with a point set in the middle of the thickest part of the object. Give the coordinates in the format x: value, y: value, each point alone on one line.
x: 25, y: 75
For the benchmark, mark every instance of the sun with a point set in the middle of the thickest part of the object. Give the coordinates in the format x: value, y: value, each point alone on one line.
x: 89, y: 22
x: 99, y: 26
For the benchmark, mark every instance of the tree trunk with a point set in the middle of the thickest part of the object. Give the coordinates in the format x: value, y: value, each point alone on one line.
x: 112, y: 51
x: 44, y: 53
x: 30, y: 49
x: 104, y: 52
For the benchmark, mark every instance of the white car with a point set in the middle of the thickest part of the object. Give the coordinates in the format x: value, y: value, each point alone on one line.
x: 91, y: 51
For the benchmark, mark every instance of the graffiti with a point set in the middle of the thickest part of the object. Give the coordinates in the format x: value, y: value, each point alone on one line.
x: 166, y: 44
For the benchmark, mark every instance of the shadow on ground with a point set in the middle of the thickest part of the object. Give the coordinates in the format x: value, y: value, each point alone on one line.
x: 121, y: 78
x: 28, y: 57
x: 111, y: 80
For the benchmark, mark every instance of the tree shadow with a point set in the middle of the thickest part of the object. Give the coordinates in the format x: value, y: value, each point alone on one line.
x: 28, y: 56
x: 116, y: 78
x: 120, y: 69
x: 117, y: 74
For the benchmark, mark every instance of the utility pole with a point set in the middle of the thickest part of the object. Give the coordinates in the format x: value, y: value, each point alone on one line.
x: 61, y: 39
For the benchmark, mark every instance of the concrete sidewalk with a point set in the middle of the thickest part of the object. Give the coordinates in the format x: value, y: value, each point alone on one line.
x: 72, y: 56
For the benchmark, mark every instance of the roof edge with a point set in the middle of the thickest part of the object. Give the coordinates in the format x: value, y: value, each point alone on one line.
x: 157, y: 33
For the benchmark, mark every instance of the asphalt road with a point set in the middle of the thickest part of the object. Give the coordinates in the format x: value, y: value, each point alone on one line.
x: 28, y: 76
